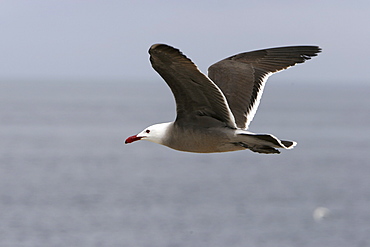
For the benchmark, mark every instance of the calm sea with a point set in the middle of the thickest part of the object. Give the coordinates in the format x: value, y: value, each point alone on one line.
x: 68, y: 179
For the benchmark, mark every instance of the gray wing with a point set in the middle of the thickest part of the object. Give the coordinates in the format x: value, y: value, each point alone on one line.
x: 195, y: 93
x: 242, y: 77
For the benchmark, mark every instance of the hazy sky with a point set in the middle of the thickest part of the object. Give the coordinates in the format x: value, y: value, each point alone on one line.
x: 109, y: 39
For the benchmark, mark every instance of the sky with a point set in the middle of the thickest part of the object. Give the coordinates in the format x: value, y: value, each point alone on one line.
x: 109, y: 40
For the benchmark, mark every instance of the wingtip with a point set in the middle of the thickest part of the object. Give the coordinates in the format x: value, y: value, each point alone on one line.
x: 317, y: 50
x: 158, y: 46
x: 155, y: 46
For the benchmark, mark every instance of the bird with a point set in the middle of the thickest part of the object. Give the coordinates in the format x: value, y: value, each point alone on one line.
x: 214, y: 111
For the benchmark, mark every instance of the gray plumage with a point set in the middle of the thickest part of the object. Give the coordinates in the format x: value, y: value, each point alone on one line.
x: 214, y: 111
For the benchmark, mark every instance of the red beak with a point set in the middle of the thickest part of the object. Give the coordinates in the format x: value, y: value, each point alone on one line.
x: 132, y: 139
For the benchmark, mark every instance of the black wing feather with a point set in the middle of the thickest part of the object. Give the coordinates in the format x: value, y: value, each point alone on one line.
x: 195, y: 93
x: 242, y: 77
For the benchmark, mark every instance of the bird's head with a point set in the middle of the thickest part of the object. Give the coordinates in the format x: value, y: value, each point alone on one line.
x: 155, y: 133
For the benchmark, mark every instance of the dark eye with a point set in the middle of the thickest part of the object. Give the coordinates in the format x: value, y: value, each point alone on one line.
x: 147, y: 131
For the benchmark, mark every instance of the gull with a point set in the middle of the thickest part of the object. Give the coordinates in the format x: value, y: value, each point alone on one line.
x: 214, y: 111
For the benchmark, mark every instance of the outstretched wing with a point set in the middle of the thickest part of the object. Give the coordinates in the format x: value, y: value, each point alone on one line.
x: 242, y: 77
x: 195, y: 93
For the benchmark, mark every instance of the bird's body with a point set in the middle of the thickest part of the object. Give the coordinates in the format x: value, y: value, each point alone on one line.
x: 214, y: 111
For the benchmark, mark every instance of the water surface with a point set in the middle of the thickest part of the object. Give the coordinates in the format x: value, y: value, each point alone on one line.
x: 67, y: 179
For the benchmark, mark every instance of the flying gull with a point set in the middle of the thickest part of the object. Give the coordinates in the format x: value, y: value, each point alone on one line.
x: 214, y: 111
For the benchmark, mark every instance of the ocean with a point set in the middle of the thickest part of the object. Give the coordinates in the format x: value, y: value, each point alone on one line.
x: 68, y: 179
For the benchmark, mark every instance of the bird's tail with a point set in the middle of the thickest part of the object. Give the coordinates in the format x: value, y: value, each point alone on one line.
x: 263, y: 143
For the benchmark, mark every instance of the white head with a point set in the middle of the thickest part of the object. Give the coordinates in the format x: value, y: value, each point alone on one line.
x: 155, y: 133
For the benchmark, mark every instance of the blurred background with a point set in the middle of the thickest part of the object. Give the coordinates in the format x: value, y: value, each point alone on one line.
x: 75, y: 81
x: 109, y: 39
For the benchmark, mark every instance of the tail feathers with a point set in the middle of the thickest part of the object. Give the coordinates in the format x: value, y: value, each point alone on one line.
x: 264, y: 150
x: 265, y: 143
x: 288, y: 144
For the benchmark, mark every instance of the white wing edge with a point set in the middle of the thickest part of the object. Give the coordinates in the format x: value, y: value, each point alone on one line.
x: 253, y: 111
x: 231, y: 115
